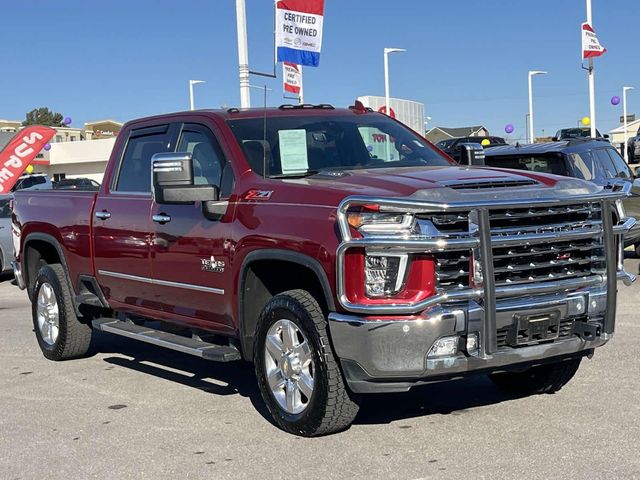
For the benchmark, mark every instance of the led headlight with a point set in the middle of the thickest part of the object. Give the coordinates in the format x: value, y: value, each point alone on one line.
x: 380, y: 222
x: 384, y: 274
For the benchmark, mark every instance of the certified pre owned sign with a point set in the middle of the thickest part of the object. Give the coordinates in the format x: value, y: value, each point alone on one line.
x: 20, y: 152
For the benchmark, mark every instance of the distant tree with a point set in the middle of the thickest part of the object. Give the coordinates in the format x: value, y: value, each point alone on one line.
x: 43, y: 116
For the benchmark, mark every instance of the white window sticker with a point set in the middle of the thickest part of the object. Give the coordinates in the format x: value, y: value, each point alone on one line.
x: 293, y: 150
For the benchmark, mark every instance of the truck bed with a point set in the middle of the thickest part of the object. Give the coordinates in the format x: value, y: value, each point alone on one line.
x: 64, y: 215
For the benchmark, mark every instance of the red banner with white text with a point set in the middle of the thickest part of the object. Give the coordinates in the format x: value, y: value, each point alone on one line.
x: 20, y: 152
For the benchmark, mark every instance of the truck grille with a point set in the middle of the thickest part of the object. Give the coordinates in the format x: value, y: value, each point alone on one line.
x: 529, y: 261
x: 535, y: 262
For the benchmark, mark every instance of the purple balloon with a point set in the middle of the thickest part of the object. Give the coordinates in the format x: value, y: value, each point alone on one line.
x: 509, y: 128
x: 615, y: 100
x: 67, y: 120
x: 47, y: 146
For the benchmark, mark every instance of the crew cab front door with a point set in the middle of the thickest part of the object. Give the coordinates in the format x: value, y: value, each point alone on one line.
x: 191, y: 253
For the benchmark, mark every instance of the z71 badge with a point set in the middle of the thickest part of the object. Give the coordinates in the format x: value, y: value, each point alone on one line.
x: 212, y: 265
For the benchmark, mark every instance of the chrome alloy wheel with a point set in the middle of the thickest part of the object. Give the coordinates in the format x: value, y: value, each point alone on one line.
x: 289, y: 366
x: 48, y: 314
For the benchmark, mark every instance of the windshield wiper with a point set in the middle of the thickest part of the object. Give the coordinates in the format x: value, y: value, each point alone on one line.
x: 307, y: 173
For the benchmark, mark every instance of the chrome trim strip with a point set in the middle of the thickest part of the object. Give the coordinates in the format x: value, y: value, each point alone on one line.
x: 165, y: 283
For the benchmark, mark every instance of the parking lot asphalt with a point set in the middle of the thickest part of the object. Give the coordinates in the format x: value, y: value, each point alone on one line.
x: 137, y: 411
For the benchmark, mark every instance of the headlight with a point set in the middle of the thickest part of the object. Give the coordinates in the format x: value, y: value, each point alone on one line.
x: 381, y: 222
x: 384, y: 274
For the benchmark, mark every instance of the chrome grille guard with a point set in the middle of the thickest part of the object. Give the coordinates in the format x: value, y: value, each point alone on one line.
x: 480, y: 243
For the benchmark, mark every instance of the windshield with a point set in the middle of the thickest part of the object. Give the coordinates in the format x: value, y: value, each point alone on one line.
x: 575, y: 133
x: 302, y: 145
x: 553, y: 163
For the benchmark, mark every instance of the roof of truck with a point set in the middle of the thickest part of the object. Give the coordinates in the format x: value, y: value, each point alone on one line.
x: 281, y: 111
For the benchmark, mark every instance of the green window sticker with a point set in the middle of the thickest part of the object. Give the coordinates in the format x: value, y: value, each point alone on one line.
x: 293, y: 150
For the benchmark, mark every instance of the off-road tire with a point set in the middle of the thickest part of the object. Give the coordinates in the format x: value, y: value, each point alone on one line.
x: 74, y: 336
x: 332, y: 408
x: 548, y: 378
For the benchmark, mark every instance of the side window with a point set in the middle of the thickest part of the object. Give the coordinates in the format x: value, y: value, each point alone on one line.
x: 209, y: 164
x: 622, y: 169
x: 583, y: 165
x: 135, y: 168
x: 5, y: 211
x: 605, y: 163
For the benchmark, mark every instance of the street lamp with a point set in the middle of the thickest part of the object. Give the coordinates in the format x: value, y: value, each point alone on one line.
x: 387, y: 51
x: 191, y: 84
x: 531, y: 74
x: 624, y: 113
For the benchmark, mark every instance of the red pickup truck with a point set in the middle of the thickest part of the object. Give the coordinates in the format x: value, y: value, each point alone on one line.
x: 335, y: 249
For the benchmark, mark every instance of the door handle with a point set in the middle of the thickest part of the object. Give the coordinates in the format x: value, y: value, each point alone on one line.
x: 161, y: 218
x: 103, y: 215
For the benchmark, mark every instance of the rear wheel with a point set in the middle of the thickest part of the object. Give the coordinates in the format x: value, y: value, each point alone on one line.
x: 548, y: 378
x: 61, y: 335
x: 297, y: 373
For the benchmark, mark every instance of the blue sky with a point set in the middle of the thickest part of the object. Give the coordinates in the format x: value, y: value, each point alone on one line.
x: 466, y: 60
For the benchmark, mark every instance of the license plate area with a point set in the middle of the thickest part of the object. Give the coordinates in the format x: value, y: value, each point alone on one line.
x: 537, y: 327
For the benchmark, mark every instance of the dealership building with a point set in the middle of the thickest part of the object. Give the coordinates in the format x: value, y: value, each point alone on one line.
x: 406, y: 111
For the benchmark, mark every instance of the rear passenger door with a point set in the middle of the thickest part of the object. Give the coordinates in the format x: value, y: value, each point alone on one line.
x: 191, y: 253
x: 122, y: 222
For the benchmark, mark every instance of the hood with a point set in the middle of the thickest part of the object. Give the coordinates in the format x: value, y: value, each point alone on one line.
x: 449, y: 183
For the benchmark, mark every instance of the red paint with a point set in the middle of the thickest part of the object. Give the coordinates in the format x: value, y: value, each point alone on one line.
x: 420, y: 281
x: 293, y: 215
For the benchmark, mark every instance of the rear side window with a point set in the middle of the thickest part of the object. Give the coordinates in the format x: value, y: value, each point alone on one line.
x: 583, y: 165
x: 604, y: 163
x: 622, y: 169
x: 135, y: 168
x: 554, y: 164
x: 5, y: 211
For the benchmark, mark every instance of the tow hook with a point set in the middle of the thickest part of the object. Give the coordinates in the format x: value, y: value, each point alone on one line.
x: 587, y: 331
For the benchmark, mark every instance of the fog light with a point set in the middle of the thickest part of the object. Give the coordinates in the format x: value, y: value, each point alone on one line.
x: 384, y: 274
x: 444, y: 347
x: 577, y: 305
x: 472, y: 342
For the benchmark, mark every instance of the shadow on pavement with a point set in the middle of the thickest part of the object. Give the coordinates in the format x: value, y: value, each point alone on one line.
x: 454, y: 397
x: 8, y: 278
x: 216, y: 378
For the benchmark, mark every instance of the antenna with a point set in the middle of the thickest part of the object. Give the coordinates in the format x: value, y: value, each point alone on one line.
x: 264, y: 129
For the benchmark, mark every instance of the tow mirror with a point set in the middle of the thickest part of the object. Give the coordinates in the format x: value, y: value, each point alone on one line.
x: 172, y: 180
x: 554, y: 139
x: 471, y: 154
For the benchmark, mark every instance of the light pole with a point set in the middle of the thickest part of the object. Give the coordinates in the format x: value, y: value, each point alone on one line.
x: 191, y: 84
x: 592, y: 81
x: 624, y: 114
x: 387, y: 51
x: 243, y: 53
x: 531, y: 74
x: 387, y: 106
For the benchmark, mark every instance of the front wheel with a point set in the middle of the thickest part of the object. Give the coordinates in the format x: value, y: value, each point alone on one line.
x: 297, y: 373
x: 548, y: 378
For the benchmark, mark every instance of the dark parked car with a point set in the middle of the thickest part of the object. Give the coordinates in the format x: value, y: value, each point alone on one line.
x: 77, y: 184
x: 633, y: 145
x: 593, y: 160
x: 451, y: 146
x: 577, y: 132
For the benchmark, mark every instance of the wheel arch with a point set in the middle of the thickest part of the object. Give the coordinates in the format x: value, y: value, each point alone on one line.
x: 255, y: 287
x: 48, y: 249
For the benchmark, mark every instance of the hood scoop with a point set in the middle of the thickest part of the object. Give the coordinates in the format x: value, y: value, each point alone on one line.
x: 487, y: 184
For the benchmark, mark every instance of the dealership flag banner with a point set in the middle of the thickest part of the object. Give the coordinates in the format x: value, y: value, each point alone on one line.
x: 20, y: 152
x: 590, y: 45
x: 292, y: 77
x: 299, y: 31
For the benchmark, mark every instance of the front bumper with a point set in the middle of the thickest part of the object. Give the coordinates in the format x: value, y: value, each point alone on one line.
x: 392, y: 355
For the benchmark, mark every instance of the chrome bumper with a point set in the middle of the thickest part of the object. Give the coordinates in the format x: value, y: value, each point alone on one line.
x: 17, y: 273
x: 392, y: 355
